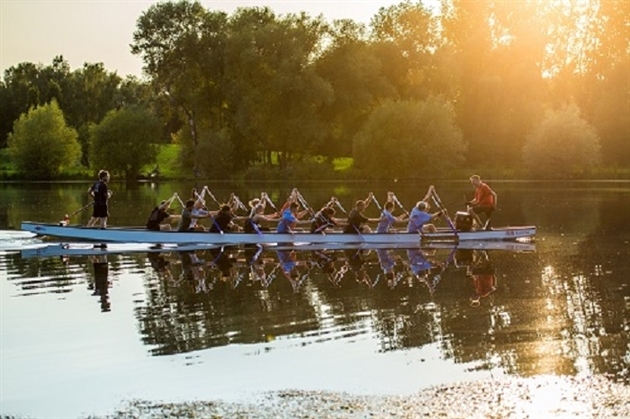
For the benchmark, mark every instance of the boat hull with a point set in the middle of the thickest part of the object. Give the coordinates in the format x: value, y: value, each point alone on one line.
x: 142, y: 235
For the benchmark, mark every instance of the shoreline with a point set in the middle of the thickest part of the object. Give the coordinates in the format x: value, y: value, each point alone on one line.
x: 544, y: 396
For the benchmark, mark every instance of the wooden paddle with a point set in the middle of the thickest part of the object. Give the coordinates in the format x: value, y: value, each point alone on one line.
x: 66, y: 218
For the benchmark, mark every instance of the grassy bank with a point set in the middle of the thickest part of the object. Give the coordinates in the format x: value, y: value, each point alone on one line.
x: 308, y: 169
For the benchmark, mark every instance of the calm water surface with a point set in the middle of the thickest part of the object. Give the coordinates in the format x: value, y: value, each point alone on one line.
x: 80, y: 334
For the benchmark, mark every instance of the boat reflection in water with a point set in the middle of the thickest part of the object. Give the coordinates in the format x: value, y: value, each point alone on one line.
x: 205, y: 297
x: 491, y: 304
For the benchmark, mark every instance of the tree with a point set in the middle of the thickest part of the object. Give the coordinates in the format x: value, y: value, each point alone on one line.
x: 562, y: 144
x: 274, y: 91
x: 406, y: 35
x: 90, y: 93
x: 124, y: 141
x: 84, y: 95
x: 354, y: 71
x: 493, y: 52
x: 182, y: 45
x: 409, y: 139
x: 41, y: 143
x: 215, y: 152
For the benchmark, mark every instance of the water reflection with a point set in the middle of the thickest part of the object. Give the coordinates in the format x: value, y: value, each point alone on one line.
x: 483, y: 276
x: 101, y: 284
x: 492, y: 306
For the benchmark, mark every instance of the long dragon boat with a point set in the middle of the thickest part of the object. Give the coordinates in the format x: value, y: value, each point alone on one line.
x: 142, y: 235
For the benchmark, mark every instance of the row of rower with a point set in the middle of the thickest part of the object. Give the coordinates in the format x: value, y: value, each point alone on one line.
x: 293, y: 213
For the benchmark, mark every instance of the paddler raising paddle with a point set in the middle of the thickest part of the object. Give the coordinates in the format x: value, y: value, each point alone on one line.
x: 159, y: 215
x: 356, y: 219
x: 419, y: 219
x: 101, y: 195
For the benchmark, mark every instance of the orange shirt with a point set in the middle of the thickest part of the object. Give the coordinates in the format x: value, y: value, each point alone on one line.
x: 483, y: 196
x: 484, y: 284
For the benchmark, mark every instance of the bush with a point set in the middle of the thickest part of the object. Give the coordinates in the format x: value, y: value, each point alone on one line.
x: 41, y: 144
x: 562, y: 145
x: 409, y: 139
x: 124, y: 141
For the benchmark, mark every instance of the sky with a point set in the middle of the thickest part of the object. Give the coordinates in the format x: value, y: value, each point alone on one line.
x: 100, y: 31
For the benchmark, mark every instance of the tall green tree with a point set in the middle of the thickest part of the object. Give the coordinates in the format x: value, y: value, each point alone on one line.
x: 124, y: 141
x: 19, y: 92
x: 407, y: 139
x: 354, y: 71
x: 407, y: 35
x: 274, y: 91
x: 496, y: 53
x: 562, y: 145
x: 182, y: 46
x: 84, y: 95
x: 42, y: 144
x: 91, y: 92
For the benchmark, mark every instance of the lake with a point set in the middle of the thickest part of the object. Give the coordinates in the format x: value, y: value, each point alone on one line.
x: 83, y: 333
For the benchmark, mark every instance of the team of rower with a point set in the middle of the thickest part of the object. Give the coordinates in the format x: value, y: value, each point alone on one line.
x: 289, y: 216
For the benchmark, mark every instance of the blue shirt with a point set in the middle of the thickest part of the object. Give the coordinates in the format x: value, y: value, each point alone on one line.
x: 286, y: 221
x: 385, y: 259
x: 286, y: 260
x: 385, y: 224
x: 417, y: 219
x: 417, y: 262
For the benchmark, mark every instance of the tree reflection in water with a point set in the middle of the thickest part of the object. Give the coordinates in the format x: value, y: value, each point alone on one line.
x: 495, y: 308
x: 246, y: 294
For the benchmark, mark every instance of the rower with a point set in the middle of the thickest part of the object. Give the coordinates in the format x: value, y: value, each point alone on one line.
x: 290, y: 218
x: 254, y: 223
x: 158, y: 216
x: 199, y: 209
x: 323, y: 219
x: 188, y: 216
x: 224, y: 220
x: 420, y: 216
x: 387, y: 218
x: 356, y: 219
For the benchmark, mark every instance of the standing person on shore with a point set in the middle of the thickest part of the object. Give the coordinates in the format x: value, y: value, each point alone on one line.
x: 101, y: 194
x: 485, y: 202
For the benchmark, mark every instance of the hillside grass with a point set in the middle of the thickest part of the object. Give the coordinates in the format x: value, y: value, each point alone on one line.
x: 316, y: 168
x: 167, y: 162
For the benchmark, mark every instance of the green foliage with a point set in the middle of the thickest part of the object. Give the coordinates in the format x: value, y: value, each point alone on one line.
x: 124, y: 141
x: 611, y: 114
x: 406, y: 139
x: 213, y: 156
x: 561, y: 145
x: 84, y: 95
x: 7, y: 168
x: 342, y: 164
x: 41, y: 143
x: 168, y: 161
x: 309, y: 169
x: 273, y: 90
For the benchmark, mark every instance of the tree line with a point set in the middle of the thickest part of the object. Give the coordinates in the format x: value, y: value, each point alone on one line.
x: 541, y: 86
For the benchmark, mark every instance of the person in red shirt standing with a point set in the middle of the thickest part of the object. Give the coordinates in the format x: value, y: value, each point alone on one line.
x: 485, y: 202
